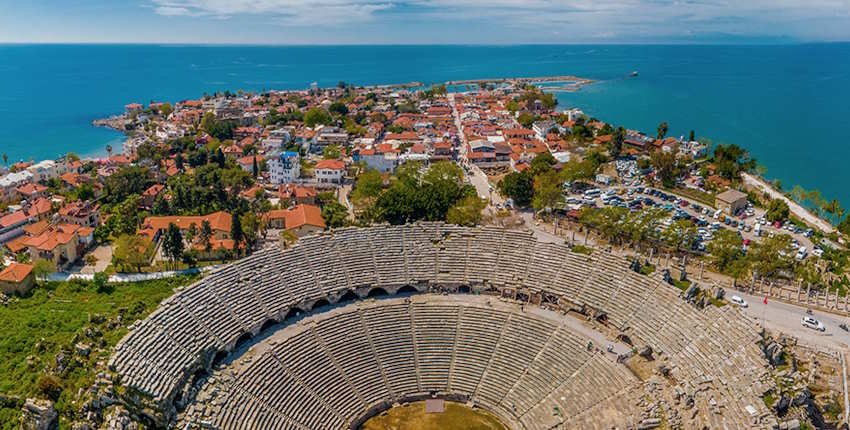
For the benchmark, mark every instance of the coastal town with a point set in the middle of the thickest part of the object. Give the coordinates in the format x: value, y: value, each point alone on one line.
x: 301, y: 161
x: 205, y: 182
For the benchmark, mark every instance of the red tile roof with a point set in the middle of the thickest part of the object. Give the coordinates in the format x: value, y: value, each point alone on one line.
x: 218, y: 221
x: 16, y: 272
x: 302, y: 215
x: 330, y: 165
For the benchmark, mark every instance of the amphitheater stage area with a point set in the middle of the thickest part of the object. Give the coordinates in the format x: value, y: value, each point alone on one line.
x: 413, y: 416
x: 355, y: 361
x: 348, y: 324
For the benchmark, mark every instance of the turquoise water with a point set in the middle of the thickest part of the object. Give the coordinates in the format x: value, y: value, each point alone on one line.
x: 789, y: 105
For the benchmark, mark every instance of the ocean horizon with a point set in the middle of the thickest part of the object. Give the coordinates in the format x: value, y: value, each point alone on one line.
x: 786, y: 104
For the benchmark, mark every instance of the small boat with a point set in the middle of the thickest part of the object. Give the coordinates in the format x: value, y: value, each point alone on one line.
x: 635, y: 73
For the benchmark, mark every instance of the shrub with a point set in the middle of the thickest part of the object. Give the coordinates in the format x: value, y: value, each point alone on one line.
x: 49, y: 386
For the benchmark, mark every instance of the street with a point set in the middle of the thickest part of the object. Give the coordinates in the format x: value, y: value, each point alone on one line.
x: 786, y: 318
x: 476, y: 177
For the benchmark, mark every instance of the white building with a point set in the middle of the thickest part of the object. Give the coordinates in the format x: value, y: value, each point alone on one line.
x: 276, y: 140
x: 11, y: 181
x: 330, y: 171
x: 45, y: 170
x: 542, y: 128
x: 284, y: 167
x: 574, y: 114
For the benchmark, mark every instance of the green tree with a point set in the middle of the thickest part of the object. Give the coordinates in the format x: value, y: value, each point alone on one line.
x: 547, y: 191
x: 816, y: 201
x: 236, y: 233
x: 255, y: 169
x: 317, y: 116
x: 833, y: 208
x: 519, y: 186
x: 443, y: 171
x: 338, y: 108
x: 191, y: 234
x: 172, y: 244
x: 126, y: 181
x: 101, y: 282
x: 334, y: 214
x: 42, y: 268
x: 615, y: 145
x: 165, y: 109
x: 252, y: 228
x: 681, y: 235
x: 730, y: 160
x: 108, y: 149
x: 770, y: 256
x: 466, y: 212
x: 798, y: 194
x: 369, y: 184
x: 691, y: 137
x: 206, y: 235
x: 130, y: 251
x: 777, y: 210
x: 665, y: 167
x: 332, y: 152
x: 6, y: 159
x: 727, y: 253
x: 542, y: 163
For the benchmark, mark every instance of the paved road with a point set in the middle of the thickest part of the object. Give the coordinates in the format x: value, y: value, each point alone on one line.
x: 777, y: 315
x: 476, y: 177
x: 786, y: 318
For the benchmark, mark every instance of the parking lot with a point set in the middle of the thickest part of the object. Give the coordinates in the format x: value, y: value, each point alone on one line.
x: 750, y: 223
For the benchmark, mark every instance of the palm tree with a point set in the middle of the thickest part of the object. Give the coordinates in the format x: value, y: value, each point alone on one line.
x: 109, y: 149
x: 839, y: 214
x: 815, y: 200
x: 662, y: 130
x: 833, y: 207
x: 798, y: 194
x: 6, y: 159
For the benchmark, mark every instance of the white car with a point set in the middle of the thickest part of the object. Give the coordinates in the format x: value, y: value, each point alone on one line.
x: 813, y: 323
x: 739, y: 301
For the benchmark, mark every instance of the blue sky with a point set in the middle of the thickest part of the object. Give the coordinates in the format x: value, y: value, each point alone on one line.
x: 423, y: 21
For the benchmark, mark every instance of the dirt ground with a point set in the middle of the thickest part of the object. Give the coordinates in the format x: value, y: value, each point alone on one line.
x: 413, y: 417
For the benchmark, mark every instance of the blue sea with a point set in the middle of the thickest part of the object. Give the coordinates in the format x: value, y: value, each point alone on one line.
x: 789, y: 104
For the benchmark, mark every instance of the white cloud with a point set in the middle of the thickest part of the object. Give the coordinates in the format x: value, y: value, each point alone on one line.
x: 592, y: 18
x: 285, y: 12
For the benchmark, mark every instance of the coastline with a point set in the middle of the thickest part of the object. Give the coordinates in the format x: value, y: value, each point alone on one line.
x: 796, y: 208
x: 115, y: 123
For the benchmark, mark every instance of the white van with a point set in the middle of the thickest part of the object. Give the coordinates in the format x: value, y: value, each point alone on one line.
x: 718, y: 213
x: 801, y: 253
x: 757, y: 229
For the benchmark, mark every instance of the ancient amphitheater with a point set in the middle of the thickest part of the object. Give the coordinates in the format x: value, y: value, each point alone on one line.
x: 485, y: 316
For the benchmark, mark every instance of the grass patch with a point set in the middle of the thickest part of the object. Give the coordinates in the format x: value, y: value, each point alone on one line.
x: 705, y: 199
x: 581, y: 249
x: 647, y: 269
x: 52, y: 319
x: 716, y: 302
x: 413, y: 417
x: 769, y: 399
x: 682, y: 285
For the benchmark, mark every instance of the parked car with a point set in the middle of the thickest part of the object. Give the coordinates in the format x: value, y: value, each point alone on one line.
x: 813, y: 323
